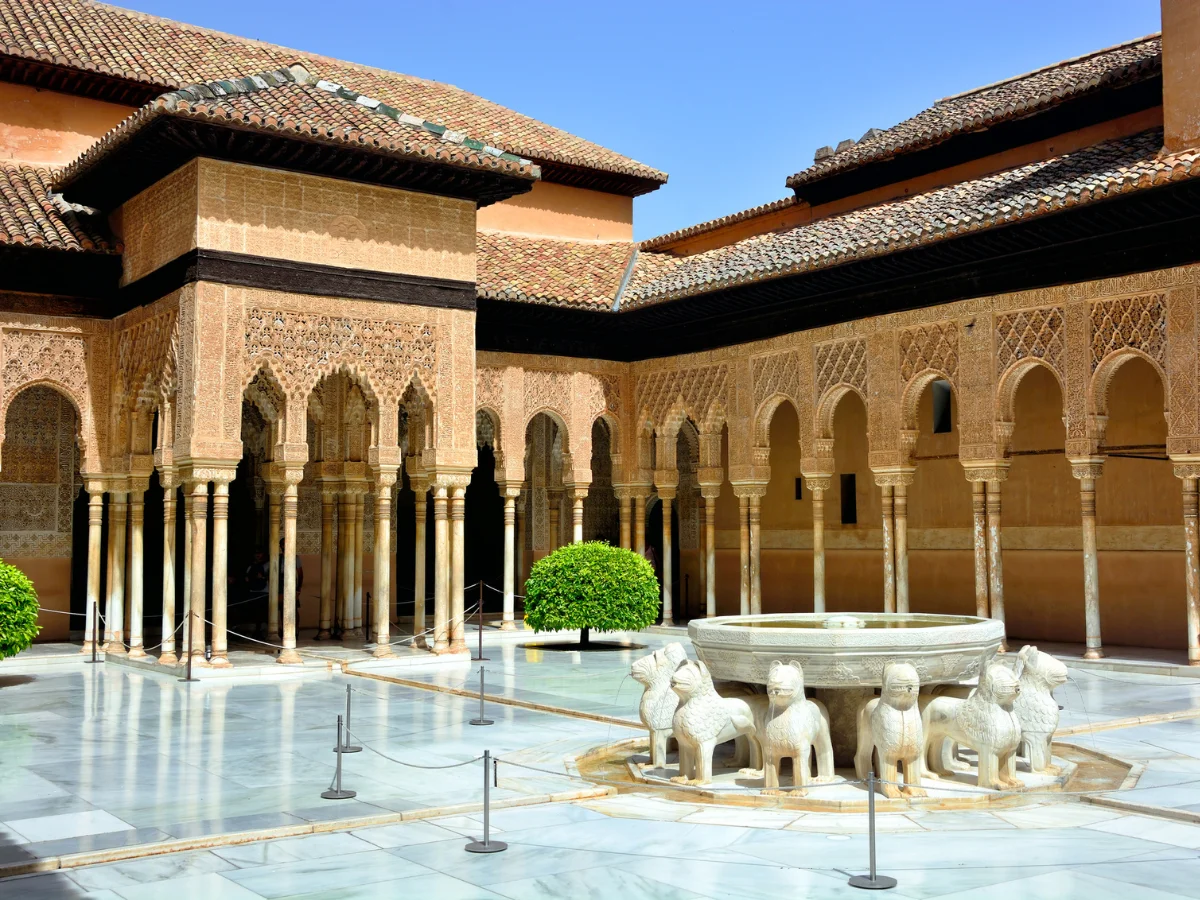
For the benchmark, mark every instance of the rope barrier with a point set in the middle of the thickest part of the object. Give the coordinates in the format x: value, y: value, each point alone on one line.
x: 401, y: 762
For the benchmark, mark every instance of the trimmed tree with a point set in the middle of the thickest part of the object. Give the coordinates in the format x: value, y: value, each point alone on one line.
x: 591, y: 585
x: 18, y: 611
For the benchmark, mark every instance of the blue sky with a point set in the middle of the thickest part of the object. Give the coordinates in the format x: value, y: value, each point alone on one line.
x: 729, y: 98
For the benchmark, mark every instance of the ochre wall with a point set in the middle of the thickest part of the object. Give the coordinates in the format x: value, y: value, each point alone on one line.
x: 50, y: 129
x: 52, y: 580
x: 557, y: 210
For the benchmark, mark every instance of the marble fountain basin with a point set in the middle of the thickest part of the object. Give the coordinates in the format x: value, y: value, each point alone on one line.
x: 839, y: 650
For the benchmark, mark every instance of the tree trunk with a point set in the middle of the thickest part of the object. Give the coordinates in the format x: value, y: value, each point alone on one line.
x: 583, y: 638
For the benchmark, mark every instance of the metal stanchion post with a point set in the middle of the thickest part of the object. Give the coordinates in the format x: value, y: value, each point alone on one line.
x: 480, y: 657
x: 482, y: 720
x: 189, y: 653
x: 336, y: 792
x: 95, y: 630
x: 347, y: 747
x: 872, y: 882
x: 487, y: 845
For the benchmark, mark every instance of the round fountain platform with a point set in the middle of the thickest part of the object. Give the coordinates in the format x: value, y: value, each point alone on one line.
x: 840, y: 650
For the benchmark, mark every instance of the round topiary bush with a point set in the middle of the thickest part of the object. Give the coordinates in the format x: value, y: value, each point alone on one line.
x: 591, y: 585
x: 18, y: 611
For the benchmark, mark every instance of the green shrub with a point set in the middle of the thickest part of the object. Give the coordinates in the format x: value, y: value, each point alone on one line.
x: 591, y: 585
x: 18, y: 611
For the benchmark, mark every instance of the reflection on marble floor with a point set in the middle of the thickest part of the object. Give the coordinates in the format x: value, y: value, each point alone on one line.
x: 99, y: 757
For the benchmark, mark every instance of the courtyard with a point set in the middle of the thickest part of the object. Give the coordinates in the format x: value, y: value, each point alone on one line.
x: 131, y: 784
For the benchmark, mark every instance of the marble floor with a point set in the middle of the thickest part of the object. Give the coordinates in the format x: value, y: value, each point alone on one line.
x: 96, y: 757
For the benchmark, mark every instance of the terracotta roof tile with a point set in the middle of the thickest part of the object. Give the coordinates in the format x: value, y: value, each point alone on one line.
x: 32, y: 215
x: 291, y: 101
x: 98, y: 38
x: 1047, y: 186
x: 986, y: 106
x: 548, y: 270
x: 672, y: 237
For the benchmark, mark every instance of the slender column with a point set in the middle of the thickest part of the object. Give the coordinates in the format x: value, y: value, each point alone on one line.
x: 577, y: 497
x: 199, y: 532
x: 274, y: 523
x: 288, y: 655
x: 900, y: 514
x: 345, y: 536
x: 889, y: 549
x: 710, y: 494
x: 667, y: 496
x: 995, y: 554
x: 979, y: 514
x: 328, y: 561
x: 382, y: 556
x: 521, y: 519
x: 1191, y: 549
x: 756, y: 554
x: 95, y: 524
x: 393, y: 555
x: 441, y: 567
x: 220, y: 569
x: 420, y: 488
x: 817, y: 487
x: 701, y: 510
x: 117, y: 527
x: 623, y: 500
x: 639, y: 524
x: 1087, y: 473
x: 110, y: 552
x: 554, y: 502
x: 744, y: 534
x: 458, y: 583
x: 137, y: 568
x: 510, y: 529
x: 185, y: 633
x: 166, y: 655
x: 360, y: 512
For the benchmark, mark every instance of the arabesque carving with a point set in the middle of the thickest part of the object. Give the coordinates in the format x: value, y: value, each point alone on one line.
x: 1139, y: 322
x: 931, y: 346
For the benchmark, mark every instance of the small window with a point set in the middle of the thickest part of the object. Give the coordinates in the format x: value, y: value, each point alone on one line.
x: 799, y: 488
x: 941, y: 407
x: 849, y: 501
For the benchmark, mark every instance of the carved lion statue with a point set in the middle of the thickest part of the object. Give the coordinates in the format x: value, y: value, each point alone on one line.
x: 799, y: 725
x: 891, y: 726
x: 1036, y: 708
x: 657, y: 709
x: 985, y: 721
x: 705, y: 719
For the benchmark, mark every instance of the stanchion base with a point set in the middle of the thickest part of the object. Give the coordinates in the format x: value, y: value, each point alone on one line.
x: 338, y: 795
x: 482, y: 722
x: 188, y: 679
x: 349, y: 748
x: 489, y: 847
x: 480, y: 658
x: 97, y: 662
x: 878, y: 883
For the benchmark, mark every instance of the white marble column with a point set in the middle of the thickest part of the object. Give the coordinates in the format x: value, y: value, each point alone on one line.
x: 639, y: 523
x: 458, y: 582
x: 889, y: 548
x: 979, y: 516
x: 507, y: 623
x: 554, y: 508
x: 166, y: 655
x: 755, y: 523
x: 185, y: 633
x: 137, y: 567
x: 199, y: 566
x: 710, y: 493
x: 220, y: 568
x: 420, y: 491
x: 1087, y: 471
x: 360, y: 527
x: 345, y: 549
x: 328, y: 563
x: 577, y: 497
x: 666, y: 496
x: 91, y: 632
x: 441, y: 567
x: 118, y: 521
x: 288, y: 655
x: 1191, y: 550
x: 110, y: 555
x: 995, y: 553
x: 817, y: 486
x: 900, y: 515
x: 522, y: 500
x: 381, y: 558
x: 623, y: 500
x: 274, y: 524
x: 744, y: 539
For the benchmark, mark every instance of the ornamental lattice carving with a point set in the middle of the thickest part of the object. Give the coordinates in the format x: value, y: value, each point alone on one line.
x: 1139, y: 322
x: 1030, y: 334
x: 489, y: 387
x: 932, y: 346
x: 144, y: 356
x: 547, y: 390
x: 302, y: 347
x: 32, y: 356
x: 778, y: 373
x: 698, y: 388
x: 839, y: 362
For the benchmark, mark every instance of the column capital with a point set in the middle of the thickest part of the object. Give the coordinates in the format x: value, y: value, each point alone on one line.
x: 623, y: 492
x: 206, y: 471
x: 893, y: 477
x: 95, y: 485
x: 818, y: 482
x: 292, y: 475
x: 710, y: 490
x: 985, y: 469
x: 168, y: 477
x: 138, y: 485
x: 512, y: 491
x: 385, y: 476
x: 750, y: 489
x: 1186, y: 466
x: 1086, y: 467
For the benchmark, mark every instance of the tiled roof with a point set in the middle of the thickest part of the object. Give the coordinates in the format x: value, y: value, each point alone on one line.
x: 986, y: 106
x: 292, y: 102
x: 32, y: 215
x: 672, y: 237
x: 98, y: 38
x: 548, y: 270
x: 1085, y: 176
